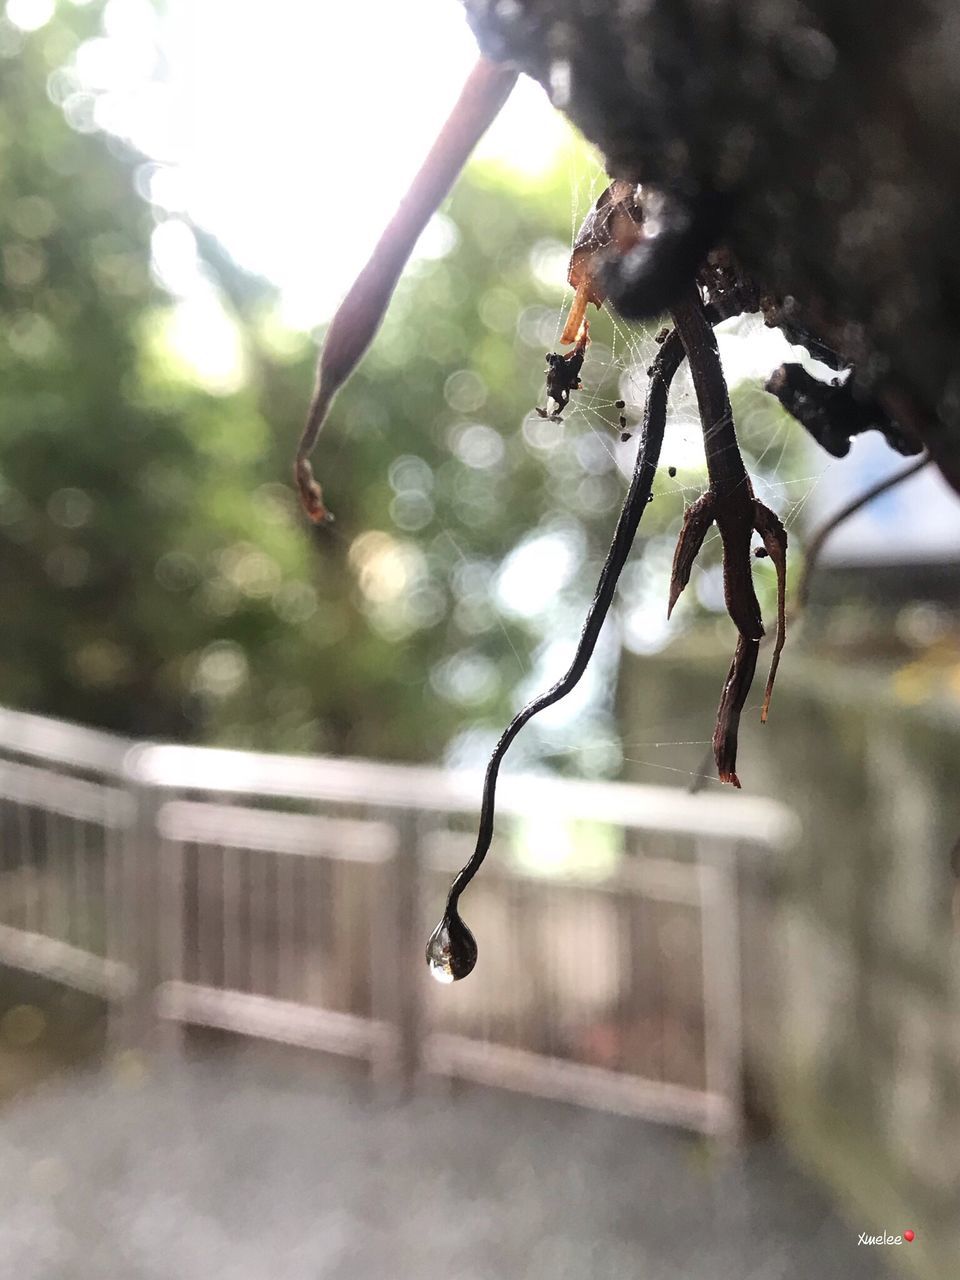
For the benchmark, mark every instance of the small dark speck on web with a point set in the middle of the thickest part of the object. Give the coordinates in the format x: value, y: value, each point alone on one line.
x: 671, y: 472
x: 625, y: 436
x: 760, y: 552
x: 619, y: 404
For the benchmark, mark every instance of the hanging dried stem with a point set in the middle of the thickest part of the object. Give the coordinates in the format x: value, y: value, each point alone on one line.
x: 451, y: 950
x: 810, y: 564
x: 358, y: 317
x: 730, y: 504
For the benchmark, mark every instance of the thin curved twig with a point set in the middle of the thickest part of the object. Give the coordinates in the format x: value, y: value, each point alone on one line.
x: 815, y: 546
x: 451, y: 950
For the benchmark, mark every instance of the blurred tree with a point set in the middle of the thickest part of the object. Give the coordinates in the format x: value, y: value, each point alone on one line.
x: 164, y: 582
x: 128, y: 505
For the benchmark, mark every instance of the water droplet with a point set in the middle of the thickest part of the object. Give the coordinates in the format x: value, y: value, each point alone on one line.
x: 452, y: 949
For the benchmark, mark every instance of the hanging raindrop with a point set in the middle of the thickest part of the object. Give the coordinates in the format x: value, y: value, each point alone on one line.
x: 452, y: 949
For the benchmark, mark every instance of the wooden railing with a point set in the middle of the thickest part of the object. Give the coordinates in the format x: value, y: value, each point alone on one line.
x: 289, y: 898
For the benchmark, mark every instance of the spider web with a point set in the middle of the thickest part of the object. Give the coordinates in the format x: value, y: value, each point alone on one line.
x: 586, y: 728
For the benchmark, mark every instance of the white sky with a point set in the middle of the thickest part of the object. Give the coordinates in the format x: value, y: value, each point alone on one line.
x: 283, y: 123
x: 293, y: 107
x: 275, y: 126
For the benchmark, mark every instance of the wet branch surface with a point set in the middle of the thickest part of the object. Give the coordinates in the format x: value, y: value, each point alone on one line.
x: 729, y: 503
x: 451, y: 950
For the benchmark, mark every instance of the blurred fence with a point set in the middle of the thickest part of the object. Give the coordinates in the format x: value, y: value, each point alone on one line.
x: 289, y: 898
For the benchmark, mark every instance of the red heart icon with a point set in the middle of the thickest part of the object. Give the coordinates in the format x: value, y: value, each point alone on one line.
x: 908, y: 1236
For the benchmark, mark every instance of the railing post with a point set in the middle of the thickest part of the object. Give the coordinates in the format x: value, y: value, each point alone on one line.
x: 134, y: 1022
x: 117, y: 837
x: 722, y: 981
x: 171, y: 883
x: 405, y: 969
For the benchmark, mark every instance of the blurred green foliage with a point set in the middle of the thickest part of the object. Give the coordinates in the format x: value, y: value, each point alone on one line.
x: 159, y: 577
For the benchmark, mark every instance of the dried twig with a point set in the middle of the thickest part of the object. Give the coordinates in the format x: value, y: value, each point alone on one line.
x: 729, y: 503
x: 452, y: 950
x: 810, y: 564
x: 815, y: 545
x: 358, y: 317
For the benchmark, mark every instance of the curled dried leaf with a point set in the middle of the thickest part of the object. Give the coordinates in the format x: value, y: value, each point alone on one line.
x: 735, y: 690
x: 613, y: 222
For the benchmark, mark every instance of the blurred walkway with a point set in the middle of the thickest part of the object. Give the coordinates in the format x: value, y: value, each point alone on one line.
x: 226, y: 1170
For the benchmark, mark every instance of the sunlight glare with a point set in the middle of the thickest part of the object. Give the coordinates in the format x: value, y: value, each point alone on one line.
x: 205, y: 342
x: 293, y: 156
x: 30, y: 15
x: 535, y: 571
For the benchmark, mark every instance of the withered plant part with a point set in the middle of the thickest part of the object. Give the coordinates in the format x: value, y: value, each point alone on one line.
x: 358, y: 317
x: 614, y: 221
x: 811, y: 562
x: 833, y: 413
x: 729, y: 503
x: 452, y: 949
x: 618, y: 225
x: 612, y: 224
x: 563, y: 375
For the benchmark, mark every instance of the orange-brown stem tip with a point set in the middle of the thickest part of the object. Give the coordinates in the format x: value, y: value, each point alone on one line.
x: 578, y: 309
x: 311, y: 495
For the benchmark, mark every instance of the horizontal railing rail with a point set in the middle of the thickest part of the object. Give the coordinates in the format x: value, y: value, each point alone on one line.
x: 431, y: 790
x: 58, y: 742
